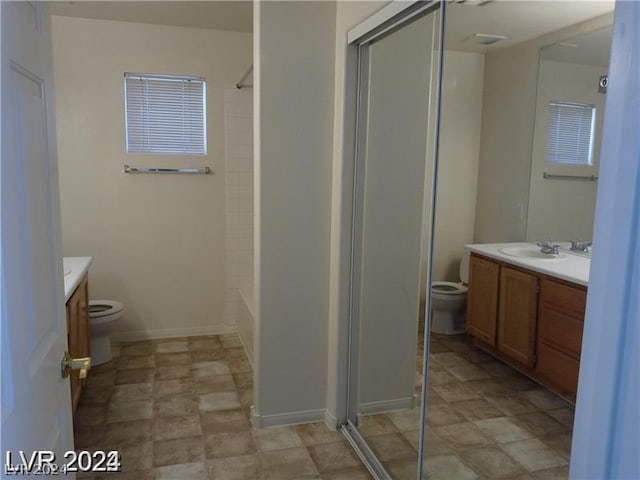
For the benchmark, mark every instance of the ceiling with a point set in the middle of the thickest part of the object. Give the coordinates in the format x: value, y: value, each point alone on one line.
x: 519, y: 20
x: 228, y: 15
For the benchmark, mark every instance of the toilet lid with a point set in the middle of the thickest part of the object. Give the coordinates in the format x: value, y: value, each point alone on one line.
x: 448, y: 288
x: 102, y: 308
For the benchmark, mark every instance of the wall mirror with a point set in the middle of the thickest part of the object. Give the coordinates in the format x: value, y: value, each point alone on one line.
x: 565, y: 159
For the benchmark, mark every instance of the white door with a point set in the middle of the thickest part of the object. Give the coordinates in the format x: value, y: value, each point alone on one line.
x: 36, y: 405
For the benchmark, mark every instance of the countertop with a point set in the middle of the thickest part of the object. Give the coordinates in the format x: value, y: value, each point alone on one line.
x: 574, y: 268
x: 78, y: 266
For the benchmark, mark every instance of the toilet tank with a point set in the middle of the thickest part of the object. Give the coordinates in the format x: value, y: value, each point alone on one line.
x: 464, y: 267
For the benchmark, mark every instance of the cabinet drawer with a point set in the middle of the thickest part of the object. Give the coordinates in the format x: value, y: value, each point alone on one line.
x: 560, y: 331
x: 563, y: 298
x: 558, y: 369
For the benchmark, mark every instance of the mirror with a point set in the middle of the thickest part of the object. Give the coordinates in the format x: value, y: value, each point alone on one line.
x: 566, y: 142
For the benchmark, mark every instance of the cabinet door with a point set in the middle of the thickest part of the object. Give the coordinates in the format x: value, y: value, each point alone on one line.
x: 73, y: 314
x: 517, y: 315
x: 482, y: 305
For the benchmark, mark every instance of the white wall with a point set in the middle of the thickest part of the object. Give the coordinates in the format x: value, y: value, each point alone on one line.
x: 158, y: 241
x: 508, y: 113
x: 295, y: 57
x: 460, y: 126
x: 563, y: 210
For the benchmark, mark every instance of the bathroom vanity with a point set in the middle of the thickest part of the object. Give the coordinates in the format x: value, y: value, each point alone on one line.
x: 76, y: 290
x: 528, y: 310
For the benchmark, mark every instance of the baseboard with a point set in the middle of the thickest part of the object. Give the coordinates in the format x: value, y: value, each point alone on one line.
x: 386, y: 406
x: 283, y: 419
x: 330, y: 420
x: 138, y: 335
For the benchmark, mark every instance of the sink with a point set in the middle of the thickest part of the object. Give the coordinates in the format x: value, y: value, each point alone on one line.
x: 532, y: 252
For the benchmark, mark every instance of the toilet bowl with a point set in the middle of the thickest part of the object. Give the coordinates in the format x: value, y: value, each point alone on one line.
x: 449, y: 303
x: 102, y: 316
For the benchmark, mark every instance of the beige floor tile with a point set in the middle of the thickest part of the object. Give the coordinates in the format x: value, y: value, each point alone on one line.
x: 239, y: 365
x: 88, y: 416
x: 359, y: 473
x: 132, y: 363
x: 434, y: 443
x: 512, y: 404
x: 449, y: 359
x: 447, y: 467
x: 392, y: 446
x: 406, y: 419
x: 213, y: 384
x: 276, y: 438
x: 467, y: 373
x: 491, y: 462
x: 127, y: 433
x: 333, y: 457
x: 455, y: 392
x: 204, y: 343
x: 476, y: 356
x: 402, y: 469
x: 544, y: 399
x: 316, y: 433
x: 291, y: 463
x: 177, y: 451
x: 442, y: 414
x: 463, y: 435
x: 246, y: 397
x: 370, y: 425
x: 243, y: 380
x: 229, y: 444
x: 186, y: 471
x: 207, y: 356
x: 135, y: 475
x: 165, y: 428
x: 243, y: 467
x: 172, y: 347
x: 211, y: 402
x: 488, y: 387
x: 132, y: 392
x: 560, y: 442
x: 224, y: 421
x: 136, y: 456
x: 496, y: 369
x: 176, y: 386
x: 209, y: 369
x: 534, y: 455
x: 477, y: 409
x: 125, y: 411
x: 137, y: 349
x: 101, y: 379
x: 172, y: 372
x: 96, y: 395
x: 238, y: 352
x: 173, y: 359
x: 175, y: 405
x: 139, y: 375
x: 563, y: 415
x: 502, y: 430
x: 230, y: 341
x: 558, y: 473
x: 539, y: 423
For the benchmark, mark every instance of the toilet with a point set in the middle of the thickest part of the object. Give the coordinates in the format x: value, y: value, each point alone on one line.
x: 102, y: 316
x: 449, y: 303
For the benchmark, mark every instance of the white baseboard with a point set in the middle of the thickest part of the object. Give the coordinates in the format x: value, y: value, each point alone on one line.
x: 330, y: 420
x: 139, y: 335
x: 386, y: 406
x: 282, y: 419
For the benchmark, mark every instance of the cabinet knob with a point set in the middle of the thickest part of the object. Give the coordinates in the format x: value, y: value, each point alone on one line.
x: 68, y: 363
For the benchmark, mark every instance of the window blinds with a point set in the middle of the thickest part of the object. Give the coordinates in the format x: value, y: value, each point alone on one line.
x: 570, y: 131
x: 165, y: 114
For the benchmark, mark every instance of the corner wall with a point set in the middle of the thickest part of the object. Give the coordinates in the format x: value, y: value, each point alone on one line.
x: 294, y: 83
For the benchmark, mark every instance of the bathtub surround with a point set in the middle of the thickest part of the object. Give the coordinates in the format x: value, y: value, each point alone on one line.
x: 158, y: 242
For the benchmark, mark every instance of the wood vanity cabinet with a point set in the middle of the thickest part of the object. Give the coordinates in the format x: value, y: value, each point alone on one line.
x: 482, y: 300
x: 78, y: 334
x: 529, y: 320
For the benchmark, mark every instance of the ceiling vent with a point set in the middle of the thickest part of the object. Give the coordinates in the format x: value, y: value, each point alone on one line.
x: 484, y: 38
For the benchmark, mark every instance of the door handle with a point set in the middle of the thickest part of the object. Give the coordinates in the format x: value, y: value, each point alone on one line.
x: 83, y: 364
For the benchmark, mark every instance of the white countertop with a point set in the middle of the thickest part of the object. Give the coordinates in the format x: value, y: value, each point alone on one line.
x: 574, y: 268
x: 78, y: 266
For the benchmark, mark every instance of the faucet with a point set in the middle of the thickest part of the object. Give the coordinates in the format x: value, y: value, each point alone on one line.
x: 580, y: 246
x: 549, y: 247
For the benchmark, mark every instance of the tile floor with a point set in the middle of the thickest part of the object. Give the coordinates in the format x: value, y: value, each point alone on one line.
x: 484, y: 420
x: 178, y: 409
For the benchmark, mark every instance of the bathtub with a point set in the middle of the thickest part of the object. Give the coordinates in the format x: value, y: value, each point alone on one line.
x: 245, y: 319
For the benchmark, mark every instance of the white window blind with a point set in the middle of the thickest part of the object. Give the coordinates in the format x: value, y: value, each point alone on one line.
x: 570, y: 130
x: 165, y: 114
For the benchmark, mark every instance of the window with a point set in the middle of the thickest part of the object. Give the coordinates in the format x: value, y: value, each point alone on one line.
x: 570, y: 130
x: 165, y: 114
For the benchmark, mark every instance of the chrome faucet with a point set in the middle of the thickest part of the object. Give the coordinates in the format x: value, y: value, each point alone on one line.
x: 580, y: 246
x: 549, y: 247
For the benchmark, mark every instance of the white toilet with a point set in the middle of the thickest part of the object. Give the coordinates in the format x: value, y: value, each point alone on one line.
x: 102, y: 315
x: 449, y: 303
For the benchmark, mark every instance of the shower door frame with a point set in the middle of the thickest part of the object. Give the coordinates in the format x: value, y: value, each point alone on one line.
x: 388, y: 20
